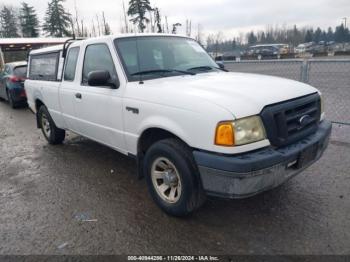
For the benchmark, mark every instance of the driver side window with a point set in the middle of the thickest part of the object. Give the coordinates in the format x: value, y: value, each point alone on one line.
x: 98, y: 58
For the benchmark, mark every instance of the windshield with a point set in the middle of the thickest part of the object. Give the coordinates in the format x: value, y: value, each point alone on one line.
x: 159, y: 56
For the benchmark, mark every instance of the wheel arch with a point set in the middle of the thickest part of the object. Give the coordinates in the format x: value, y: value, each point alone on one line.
x: 38, y: 103
x: 147, y: 138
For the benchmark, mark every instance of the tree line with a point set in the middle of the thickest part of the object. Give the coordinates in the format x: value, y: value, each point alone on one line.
x: 295, y: 36
x: 278, y: 35
x: 23, y: 21
x: 141, y: 16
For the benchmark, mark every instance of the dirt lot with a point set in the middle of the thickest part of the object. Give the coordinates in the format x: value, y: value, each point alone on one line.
x: 83, y: 198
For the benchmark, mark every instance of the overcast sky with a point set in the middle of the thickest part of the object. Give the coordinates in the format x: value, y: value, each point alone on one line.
x: 228, y: 16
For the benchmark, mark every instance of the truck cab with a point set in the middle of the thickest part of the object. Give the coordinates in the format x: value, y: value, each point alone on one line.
x: 194, y: 129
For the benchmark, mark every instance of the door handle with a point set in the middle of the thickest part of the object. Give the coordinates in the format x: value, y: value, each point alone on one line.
x: 78, y: 96
x: 135, y: 111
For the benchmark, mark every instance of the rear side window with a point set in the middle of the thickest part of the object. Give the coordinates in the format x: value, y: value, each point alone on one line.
x: 44, y: 67
x: 20, y: 71
x: 7, y: 70
x: 72, y: 58
x: 98, y: 57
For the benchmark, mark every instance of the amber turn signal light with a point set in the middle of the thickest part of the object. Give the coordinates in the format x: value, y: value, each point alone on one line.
x: 225, y: 134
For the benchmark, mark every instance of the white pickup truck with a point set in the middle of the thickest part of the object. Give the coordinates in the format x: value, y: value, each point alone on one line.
x: 194, y: 129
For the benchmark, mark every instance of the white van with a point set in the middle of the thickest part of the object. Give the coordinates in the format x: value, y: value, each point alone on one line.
x: 195, y: 129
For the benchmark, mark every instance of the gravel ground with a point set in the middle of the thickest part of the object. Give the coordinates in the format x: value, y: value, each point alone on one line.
x: 84, y: 198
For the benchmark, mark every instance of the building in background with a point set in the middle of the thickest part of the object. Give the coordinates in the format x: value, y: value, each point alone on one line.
x: 17, y: 49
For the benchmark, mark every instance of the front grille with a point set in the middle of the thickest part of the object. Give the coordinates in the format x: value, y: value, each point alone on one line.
x: 290, y: 121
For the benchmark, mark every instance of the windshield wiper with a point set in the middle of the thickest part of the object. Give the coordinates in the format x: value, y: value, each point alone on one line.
x: 205, y: 68
x: 146, y: 72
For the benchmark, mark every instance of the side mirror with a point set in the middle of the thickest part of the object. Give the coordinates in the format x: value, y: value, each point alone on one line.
x: 102, y: 78
x: 222, y: 66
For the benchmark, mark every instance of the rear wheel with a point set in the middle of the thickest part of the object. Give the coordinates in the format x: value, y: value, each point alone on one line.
x: 53, y: 134
x: 172, y: 177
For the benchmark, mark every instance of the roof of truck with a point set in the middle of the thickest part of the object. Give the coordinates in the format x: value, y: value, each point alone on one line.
x: 78, y: 42
x: 39, y: 40
x: 49, y: 49
x: 16, y: 64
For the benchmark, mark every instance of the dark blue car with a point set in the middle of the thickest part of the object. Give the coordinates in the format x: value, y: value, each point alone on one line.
x: 12, y: 83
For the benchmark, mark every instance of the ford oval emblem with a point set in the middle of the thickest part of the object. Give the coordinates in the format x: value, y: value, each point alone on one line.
x: 304, y: 121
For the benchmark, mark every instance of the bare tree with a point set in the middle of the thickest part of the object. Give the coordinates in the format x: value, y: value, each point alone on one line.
x: 199, y: 36
x: 106, y: 27
x: 166, y: 25
x: 93, y: 30
x: 98, y: 25
x: 125, y: 19
x: 188, y: 28
x: 78, y: 31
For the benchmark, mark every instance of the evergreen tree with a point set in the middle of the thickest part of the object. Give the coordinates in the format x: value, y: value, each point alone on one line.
x: 8, y: 22
x: 297, y: 36
x: 323, y: 36
x: 340, y: 35
x: 330, y: 34
x: 57, y: 20
x: 252, y: 39
x: 317, y: 35
x: 29, y: 21
x: 309, y: 36
x: 263, y: 38
x: 158, y: 21
x: 138, y: 9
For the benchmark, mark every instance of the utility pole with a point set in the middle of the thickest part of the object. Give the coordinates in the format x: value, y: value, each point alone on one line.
x: 345, y: 20
x: 345, y: 30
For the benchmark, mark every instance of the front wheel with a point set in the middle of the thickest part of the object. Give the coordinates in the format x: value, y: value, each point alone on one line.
x: 53, y: 134
x: 172, y: 177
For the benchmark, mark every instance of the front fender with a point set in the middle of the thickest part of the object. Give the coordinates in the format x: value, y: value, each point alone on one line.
x: 166, y: 124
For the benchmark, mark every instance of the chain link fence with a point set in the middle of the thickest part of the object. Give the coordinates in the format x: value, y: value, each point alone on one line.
x: 331, y: 77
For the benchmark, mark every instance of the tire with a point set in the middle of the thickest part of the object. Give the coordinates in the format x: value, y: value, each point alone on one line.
x: 181, y: 168
x: 10, y: 100
x: 53, y: 134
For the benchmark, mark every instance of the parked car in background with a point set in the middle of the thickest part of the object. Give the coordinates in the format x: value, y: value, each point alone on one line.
x: 284, y: 49
x: 269, y: 51
x: 304, y: 49
x: 12, y: 83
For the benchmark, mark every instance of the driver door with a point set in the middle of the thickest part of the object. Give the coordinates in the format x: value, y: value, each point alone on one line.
x: 98, y: 110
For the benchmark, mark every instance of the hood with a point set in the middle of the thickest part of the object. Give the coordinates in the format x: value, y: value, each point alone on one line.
x: 241, y: 94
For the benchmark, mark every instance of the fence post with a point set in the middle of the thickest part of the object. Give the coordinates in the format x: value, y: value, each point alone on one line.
x: 2, y: 62
x: 305, y: 69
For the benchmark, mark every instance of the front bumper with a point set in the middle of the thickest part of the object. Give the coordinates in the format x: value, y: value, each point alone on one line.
x: 246, y: 175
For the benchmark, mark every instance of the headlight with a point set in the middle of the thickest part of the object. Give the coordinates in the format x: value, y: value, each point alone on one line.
x: 240, y: 132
